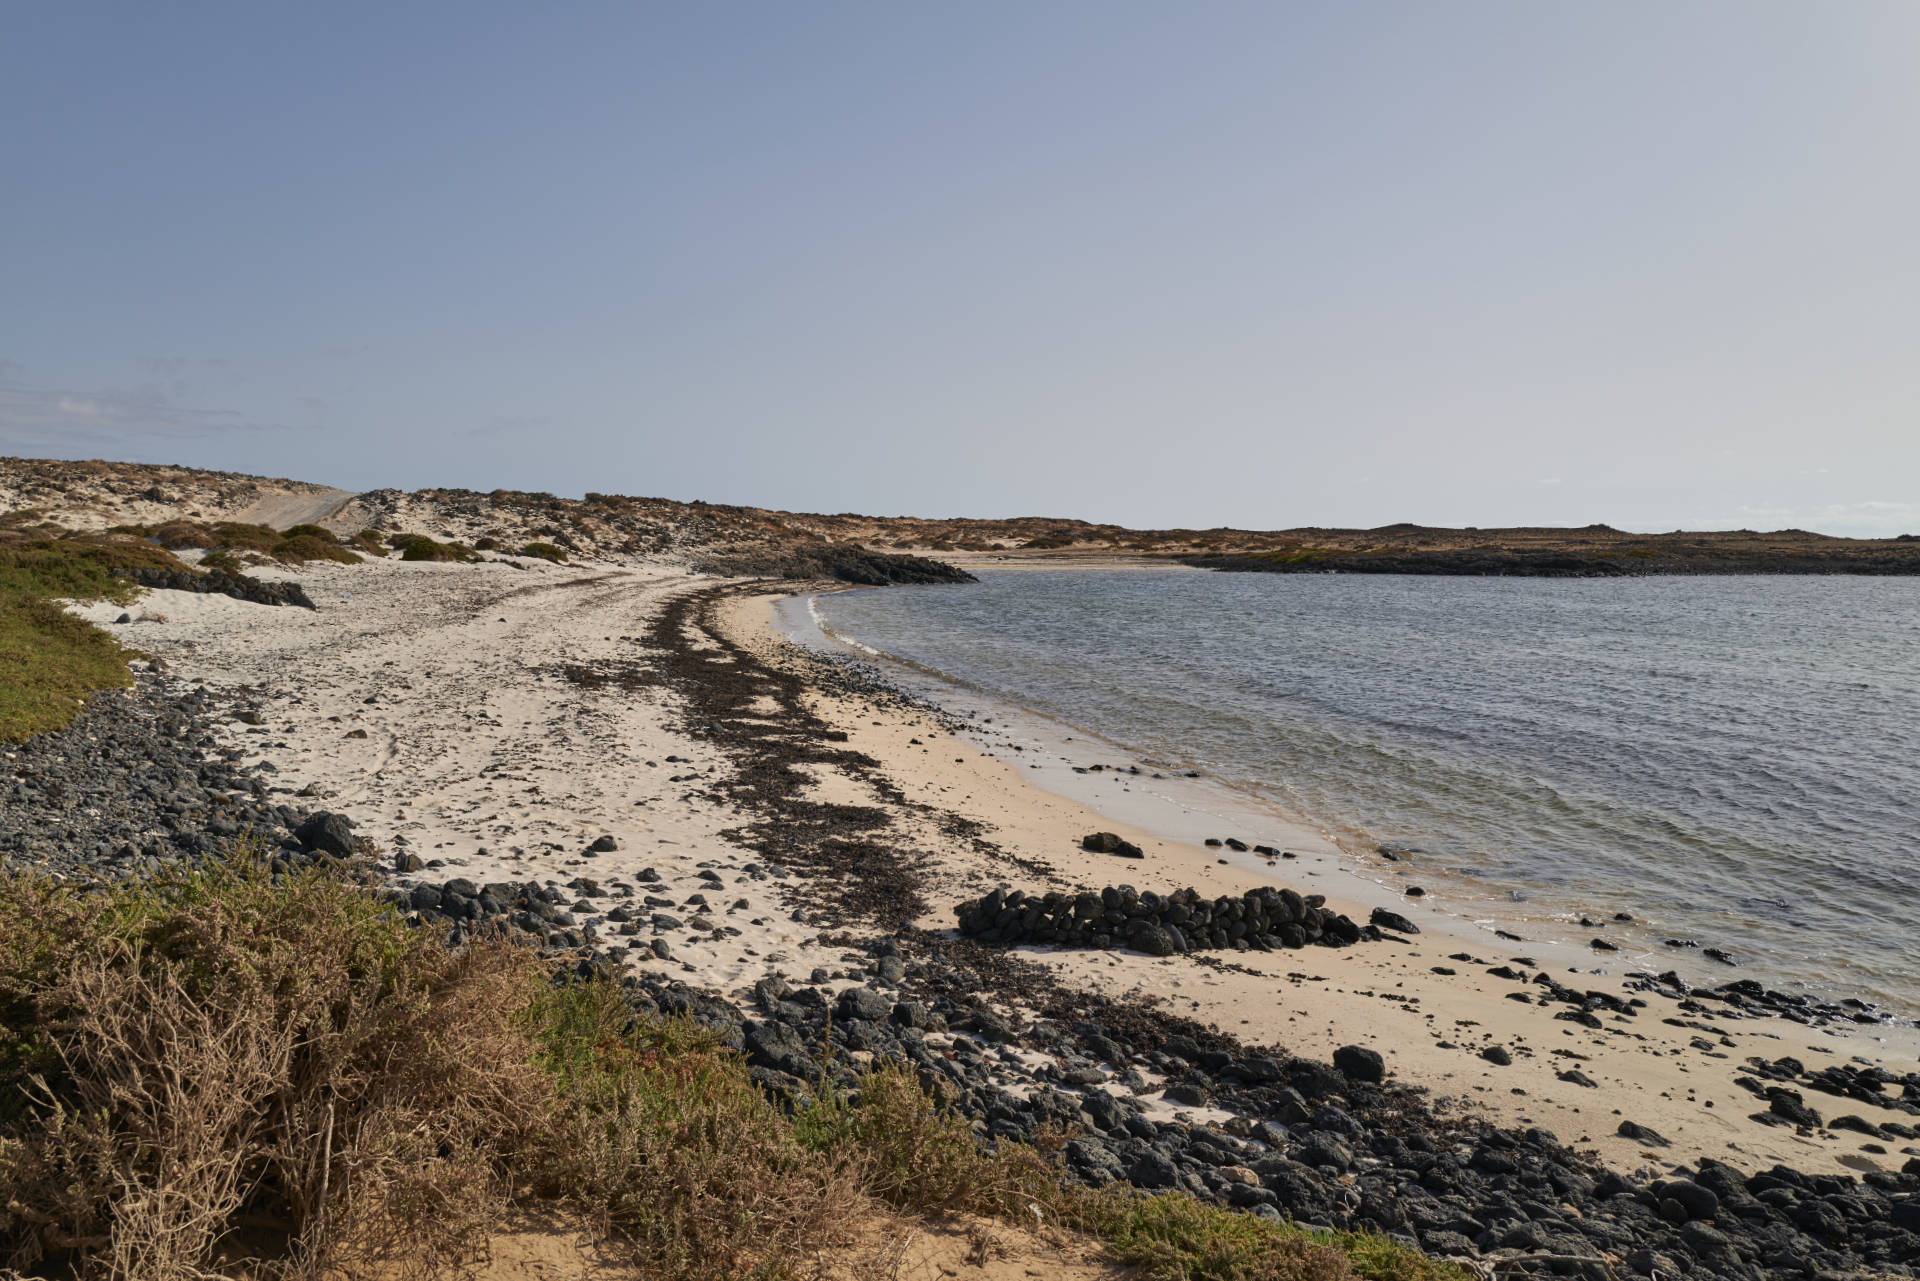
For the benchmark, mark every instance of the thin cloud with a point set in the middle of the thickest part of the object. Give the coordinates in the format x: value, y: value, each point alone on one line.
x: 37, y: 416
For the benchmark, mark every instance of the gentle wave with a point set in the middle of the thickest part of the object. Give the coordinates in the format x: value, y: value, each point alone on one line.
x: 1729, y: 759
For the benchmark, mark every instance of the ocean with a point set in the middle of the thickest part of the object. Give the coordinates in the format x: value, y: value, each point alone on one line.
x: 1730, y: 760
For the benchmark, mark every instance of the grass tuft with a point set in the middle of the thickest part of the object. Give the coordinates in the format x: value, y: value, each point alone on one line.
x: 1177, y: 1238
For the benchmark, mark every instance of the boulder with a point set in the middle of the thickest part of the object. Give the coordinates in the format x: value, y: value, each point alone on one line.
x: 329, y: 833
x: 1388, y: 920
x: 1357, y: 1063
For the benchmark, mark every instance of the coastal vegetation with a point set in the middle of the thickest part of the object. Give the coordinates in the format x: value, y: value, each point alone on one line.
x: 217, y: 1065
x: 236, y: 542
x: 50, y: 660
x: 419, y: 547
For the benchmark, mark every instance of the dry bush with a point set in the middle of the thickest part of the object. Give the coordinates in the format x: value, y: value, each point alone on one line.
x: 219, y: 1053
x: 218, y: 1056
x: 675, y: 1154
x: 218, y: 1059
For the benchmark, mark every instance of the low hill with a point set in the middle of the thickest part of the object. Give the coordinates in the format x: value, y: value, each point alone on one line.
x: 759, y: 541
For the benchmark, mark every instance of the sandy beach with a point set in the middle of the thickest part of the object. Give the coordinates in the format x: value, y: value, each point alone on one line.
x: 495, y: 721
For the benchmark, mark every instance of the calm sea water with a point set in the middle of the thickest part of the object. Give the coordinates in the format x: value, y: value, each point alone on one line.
x: 1735, y: 760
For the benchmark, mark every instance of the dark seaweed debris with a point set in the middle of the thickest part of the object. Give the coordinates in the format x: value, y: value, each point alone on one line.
x: 851, y: 874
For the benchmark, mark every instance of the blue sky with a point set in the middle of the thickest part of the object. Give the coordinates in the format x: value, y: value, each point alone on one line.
x: 1177, y: 264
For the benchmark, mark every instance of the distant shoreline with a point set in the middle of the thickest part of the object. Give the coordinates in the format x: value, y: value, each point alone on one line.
x: 1474, y: 562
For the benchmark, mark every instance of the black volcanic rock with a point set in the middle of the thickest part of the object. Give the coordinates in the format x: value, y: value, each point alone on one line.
x: 1357, y: 1063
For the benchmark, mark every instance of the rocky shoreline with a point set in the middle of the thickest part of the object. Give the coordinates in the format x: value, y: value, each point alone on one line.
x: 1135, y: 1094
x: 1154, y: 1099
x: 136, y: 781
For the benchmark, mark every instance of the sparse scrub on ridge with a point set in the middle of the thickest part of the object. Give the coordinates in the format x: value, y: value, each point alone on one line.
x: 216, y: 1050
x: 233, y: 539
x: 235, y: 536
x: 545, y: 551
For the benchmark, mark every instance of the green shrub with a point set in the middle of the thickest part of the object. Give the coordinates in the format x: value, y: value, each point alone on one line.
x: 298, y: 549
x: 319, y: 532
x: 420, y: 547
x: 243, y: 537
x: 1176, y: 1238
x: 487, y: 544
x: 545, y: 551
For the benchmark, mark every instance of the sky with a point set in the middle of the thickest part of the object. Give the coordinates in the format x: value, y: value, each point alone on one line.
x: 1649, y: 262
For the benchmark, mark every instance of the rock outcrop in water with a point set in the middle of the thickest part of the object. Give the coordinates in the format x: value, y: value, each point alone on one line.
x: 841, y: 562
